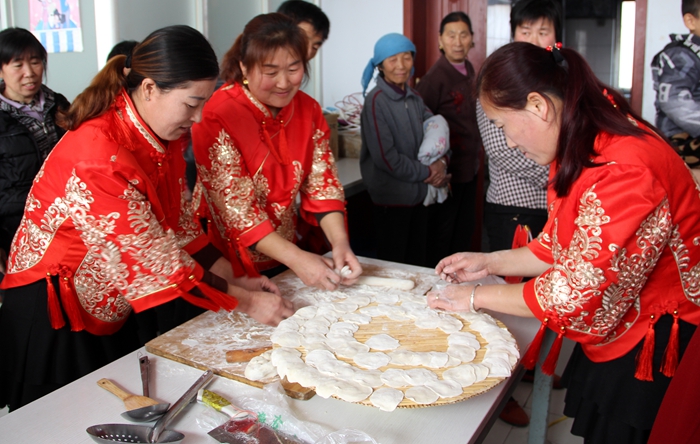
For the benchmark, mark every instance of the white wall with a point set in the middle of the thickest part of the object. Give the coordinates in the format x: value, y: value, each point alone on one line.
x: 70, y: 72
x: 355, y: 28
x: 663, y: 18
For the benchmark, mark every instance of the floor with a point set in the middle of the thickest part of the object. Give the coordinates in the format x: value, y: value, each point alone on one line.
x: 559, y: 425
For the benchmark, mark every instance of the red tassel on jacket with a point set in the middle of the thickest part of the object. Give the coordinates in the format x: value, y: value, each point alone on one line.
x: 284, y: 148
x: 223, y: 300
x: 246, y: 260
x: 54, y: 305
x: 533, y: 351
x: 550, y: 364
x: 645, y: 357
x: 213, y: 299
x: 670, y: 360
x: 70, y: 300
x: 236, y: 265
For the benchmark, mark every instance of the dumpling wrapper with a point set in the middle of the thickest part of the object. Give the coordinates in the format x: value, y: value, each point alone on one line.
x: 462, y: 352
x: 382, y: 342
x: 371, y: 360
x: 463, y: 374
x: 394, y: 377
x: 419, y: 376
x: 387, y: 399
x: 445, y: 388
x: 421, y: 395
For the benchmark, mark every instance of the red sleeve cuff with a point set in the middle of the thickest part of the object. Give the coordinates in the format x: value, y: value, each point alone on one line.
x: 311, y: 207
x: 253, y: 236
x: 169, y: 293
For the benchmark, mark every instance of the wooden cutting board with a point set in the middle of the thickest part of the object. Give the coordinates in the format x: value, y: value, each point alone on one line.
x: 204, y: 341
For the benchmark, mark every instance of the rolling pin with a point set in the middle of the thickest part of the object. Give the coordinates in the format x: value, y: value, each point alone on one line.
x: 245, y: 354
x: 401, y: 284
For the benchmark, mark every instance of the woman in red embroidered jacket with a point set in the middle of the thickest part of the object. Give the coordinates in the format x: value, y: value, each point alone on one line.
x: 616, y: 265
x: 106, y: 229
x: 262, y: 143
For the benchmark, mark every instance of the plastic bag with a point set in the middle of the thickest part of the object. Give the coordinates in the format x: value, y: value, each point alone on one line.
x: 273, y: 410
x: 346, y: 436
x: 271, y: 413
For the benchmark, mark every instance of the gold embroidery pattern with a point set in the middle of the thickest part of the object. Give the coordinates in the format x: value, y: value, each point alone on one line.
x: 101, y: 273
x: 188, y: 228
x: 574, y: 280
x: 231, y: 193
x: 101, y: 281
x: 32, y: 204
x: 690, y: 276
x: 632, y: 273
x: 318, y: 186
x: 283, y: 217
x: 33, y: 240
x: 262, y: 189
x: 152, y: 247
x: 96, y: 289
x: 255, y: 102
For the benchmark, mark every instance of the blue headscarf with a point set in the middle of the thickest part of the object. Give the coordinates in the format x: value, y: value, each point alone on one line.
x: 387, y: 46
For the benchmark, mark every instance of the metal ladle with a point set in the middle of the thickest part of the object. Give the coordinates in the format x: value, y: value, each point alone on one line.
x: 151, y: 412
x: 111, y: 433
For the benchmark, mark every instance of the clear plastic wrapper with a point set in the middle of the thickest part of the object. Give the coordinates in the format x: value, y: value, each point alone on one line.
x: 268, y: 418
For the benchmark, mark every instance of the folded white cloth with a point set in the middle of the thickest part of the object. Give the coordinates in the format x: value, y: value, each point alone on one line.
x: 435, y: 145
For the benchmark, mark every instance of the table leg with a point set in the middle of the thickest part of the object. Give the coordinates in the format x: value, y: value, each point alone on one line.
x: 541, y: 390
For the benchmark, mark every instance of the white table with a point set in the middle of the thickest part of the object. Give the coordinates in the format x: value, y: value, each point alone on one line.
x: 62, y: 416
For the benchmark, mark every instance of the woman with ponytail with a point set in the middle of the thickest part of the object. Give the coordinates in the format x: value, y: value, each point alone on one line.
x: 261, y: 144
x: 615, y: 268
x: 106, y: 230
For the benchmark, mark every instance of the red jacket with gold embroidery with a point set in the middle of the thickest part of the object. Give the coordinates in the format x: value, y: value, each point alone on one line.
x: 252, y: 166
x: 106, y: 213
x: 624, y: 245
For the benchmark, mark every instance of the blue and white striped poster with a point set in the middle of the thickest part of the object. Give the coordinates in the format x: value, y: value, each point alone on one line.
x: 56, y: 24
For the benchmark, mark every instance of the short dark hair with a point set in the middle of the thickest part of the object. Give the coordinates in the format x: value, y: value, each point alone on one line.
x: 691, y: 7
x: 125, y: 47
x: 18, y: 42
x: 457, y: 16
x: 527, y: 11
x: 302, y: 11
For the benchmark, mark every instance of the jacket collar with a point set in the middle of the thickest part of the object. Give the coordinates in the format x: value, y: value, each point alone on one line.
x: 125, y: 107
x: 394, y: 92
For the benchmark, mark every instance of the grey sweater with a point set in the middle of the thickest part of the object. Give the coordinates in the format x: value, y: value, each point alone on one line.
x: 392, y: 132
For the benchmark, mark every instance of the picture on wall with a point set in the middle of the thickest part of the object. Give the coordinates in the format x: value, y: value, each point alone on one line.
x: 56, y: 23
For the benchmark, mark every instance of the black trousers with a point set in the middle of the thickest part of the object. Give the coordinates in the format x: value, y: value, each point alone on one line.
x: 401, y: 234
x: 451, y: 223
x: 501, y: 222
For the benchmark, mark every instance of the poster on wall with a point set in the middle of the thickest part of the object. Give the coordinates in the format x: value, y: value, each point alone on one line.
x: 56, y: 23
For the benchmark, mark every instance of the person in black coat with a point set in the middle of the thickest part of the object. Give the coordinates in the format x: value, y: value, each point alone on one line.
x: 28, y: 131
